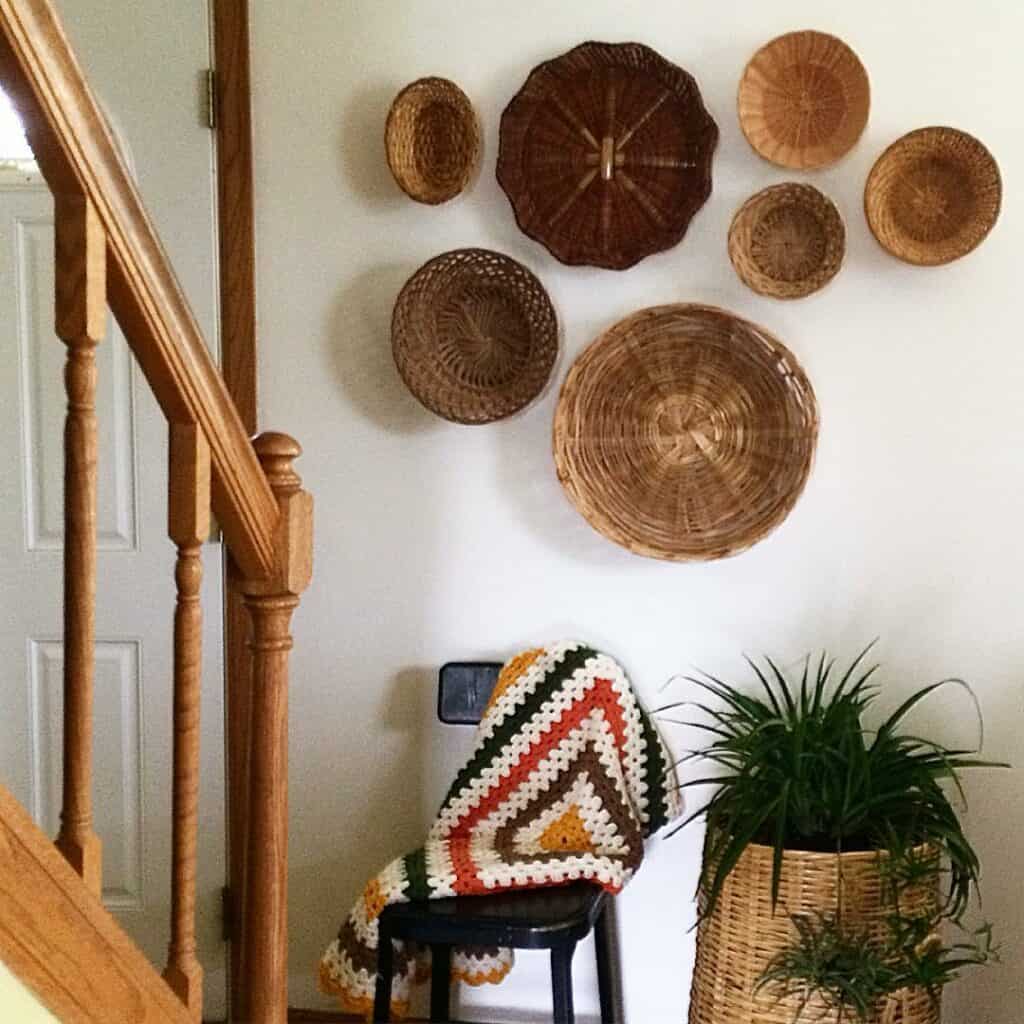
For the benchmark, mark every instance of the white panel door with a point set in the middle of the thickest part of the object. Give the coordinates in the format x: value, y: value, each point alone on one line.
x: 145, y: 61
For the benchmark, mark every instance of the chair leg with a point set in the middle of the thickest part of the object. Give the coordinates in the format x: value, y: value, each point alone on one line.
x: 440, y: 982
x: 385, y: 967
x: 603, y: 945
x: 561, y: 982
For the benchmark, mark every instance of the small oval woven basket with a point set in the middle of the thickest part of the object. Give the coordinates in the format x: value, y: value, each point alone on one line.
x: 742, y: 934
x: 803, y: 100
x: 787, y: 241
x: 474, y: 335
x: 685, y: 433
x: 933, y: 196
x: 432, y: 138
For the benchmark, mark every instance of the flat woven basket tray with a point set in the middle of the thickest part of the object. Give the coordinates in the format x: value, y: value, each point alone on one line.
x: 474, y: 335
x: 605, y: 154
x: 685, y: 433
x: 933, y: 196
x: 787, y: 241
x: 804, y: 99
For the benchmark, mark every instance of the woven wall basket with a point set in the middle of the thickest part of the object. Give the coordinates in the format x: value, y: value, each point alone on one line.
x: 787, y: 241
x: 933, y: 196
x: 474, y: 335
x: 804, y: 100
x: 432, y: 139
x: 684, y: 432
x: 605, y: 154
x: 741, y: 936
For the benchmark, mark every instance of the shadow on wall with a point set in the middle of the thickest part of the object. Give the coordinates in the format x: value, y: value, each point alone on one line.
x: 361, y: 351
x: 388, y: 821
x: 361, y: 145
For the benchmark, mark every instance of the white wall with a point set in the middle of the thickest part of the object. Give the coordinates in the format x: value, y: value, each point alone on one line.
x: 436, y: 541
x: 18, y: 1003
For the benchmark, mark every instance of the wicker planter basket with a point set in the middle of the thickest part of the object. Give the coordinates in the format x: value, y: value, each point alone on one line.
x: 432, y: 140
x: 738, y: 940
x: 787, y: 241
x: 933, y: 196
x: 474, y: 335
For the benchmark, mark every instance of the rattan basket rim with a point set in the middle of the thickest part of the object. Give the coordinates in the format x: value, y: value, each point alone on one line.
x: 902, y: 140
x: 824, y: 856
x: 472, y: 165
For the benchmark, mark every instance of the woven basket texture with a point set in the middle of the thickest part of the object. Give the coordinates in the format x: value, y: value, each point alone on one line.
x: 474, y: 335
x: 685, y: 433
x: 741, y: 936
x: 803, y: 100
x: 605, y: 154
x: 933, y: 196
x: 787, y: 241
x: 432, y: 139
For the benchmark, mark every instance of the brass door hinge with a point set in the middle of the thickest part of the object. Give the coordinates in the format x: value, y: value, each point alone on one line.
x: 211, y: 98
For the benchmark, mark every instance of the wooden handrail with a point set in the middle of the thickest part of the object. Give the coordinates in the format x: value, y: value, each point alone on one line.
x: 77, y: 155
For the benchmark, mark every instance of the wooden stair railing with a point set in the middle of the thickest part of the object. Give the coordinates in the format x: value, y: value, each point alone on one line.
x: 107, y: 251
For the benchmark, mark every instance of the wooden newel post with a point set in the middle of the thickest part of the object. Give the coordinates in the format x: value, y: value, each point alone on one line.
x: 81, y: 252
x: 270, y: 602
x: 188, y: 526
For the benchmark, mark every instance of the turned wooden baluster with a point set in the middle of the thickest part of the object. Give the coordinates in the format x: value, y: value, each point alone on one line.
x: 270, y: 602
x: 188, y: 526
x: 81, y: 319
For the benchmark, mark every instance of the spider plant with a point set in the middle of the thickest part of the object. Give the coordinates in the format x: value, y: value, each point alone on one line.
x: 797, y: 768
x: 851, y: 972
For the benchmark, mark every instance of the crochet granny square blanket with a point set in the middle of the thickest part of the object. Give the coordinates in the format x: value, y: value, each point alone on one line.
x: 567, y: 779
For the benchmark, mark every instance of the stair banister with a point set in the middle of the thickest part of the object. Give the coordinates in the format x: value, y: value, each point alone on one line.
x: 108, y: 252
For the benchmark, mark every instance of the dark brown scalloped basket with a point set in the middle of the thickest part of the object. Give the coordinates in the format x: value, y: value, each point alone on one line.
x: 933, y: 196
x: 474, y: 335
x: 685, y: 433
x: 787, y: 241
x: 605, y: 154
x: 432, y: 139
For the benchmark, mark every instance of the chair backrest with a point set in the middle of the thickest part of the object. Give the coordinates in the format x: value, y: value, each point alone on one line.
x: 463, y: 689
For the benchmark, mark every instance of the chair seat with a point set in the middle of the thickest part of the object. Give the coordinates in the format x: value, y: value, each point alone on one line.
x: 524, y: 919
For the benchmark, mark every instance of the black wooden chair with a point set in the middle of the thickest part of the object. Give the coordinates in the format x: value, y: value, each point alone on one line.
x: 555, y: 918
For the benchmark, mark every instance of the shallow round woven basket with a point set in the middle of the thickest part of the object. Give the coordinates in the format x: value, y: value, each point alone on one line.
x: 804, y: 99
x: 474, y: 335
x: 741, y: 936
x: 432, y: 140
x: 787, y: 241
x: 933, y: 196
x: 684, y: 433
x: 605, y: 154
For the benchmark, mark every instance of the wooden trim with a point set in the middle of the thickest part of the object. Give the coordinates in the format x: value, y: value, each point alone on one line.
x: 237, y: 251
x: 64, y: 945
x: 77, y: 155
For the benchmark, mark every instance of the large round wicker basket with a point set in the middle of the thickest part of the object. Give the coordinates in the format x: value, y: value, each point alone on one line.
x: 685, y: 433
x: 741, y: 936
